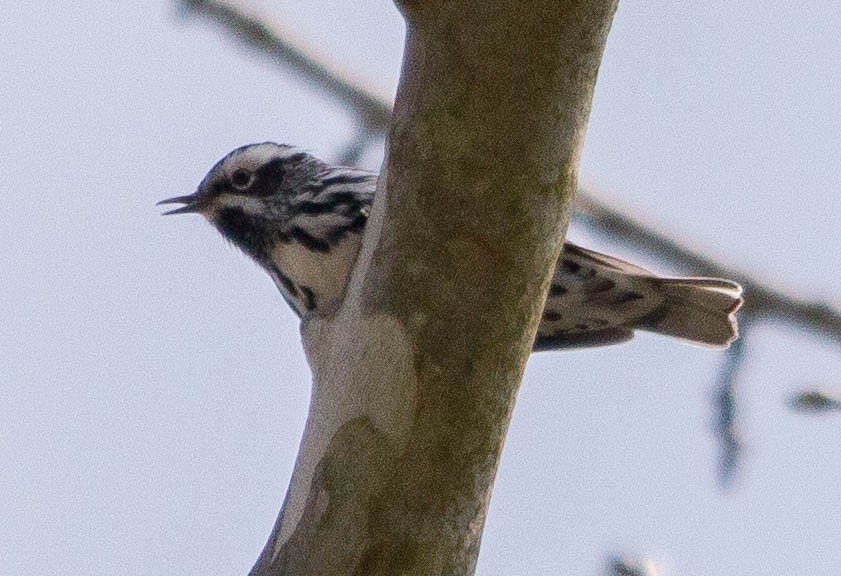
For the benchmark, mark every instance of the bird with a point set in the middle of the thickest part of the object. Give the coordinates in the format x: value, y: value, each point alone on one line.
x: 302, y: 220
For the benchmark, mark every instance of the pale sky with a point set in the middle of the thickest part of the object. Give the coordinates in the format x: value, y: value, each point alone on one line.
x: 152, y: 385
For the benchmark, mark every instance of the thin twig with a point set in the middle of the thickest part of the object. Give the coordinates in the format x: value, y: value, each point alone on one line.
x: 762, y: 302
x: 353, y: 150
x: 725, y: 403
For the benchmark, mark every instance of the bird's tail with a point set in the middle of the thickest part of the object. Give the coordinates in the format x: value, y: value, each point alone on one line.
x: 700, y: 310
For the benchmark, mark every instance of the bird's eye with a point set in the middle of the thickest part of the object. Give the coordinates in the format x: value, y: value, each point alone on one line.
x: 241, y: 179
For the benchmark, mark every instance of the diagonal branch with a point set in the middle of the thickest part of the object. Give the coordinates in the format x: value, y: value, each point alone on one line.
x: 416, y: 374
x: 761, y: 301
x: 373, y: 113
x: 270, y: 40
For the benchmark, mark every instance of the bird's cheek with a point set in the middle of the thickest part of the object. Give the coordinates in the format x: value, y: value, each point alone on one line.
x: 247, y: 204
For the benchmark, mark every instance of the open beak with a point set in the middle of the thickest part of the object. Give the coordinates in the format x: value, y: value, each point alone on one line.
x: 192, y: 203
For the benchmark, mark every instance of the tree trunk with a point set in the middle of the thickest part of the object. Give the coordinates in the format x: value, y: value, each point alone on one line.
x: 416, y: 375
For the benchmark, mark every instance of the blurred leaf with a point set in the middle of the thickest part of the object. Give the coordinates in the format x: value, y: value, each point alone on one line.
x: 816, y: 402
x: 618, y: 566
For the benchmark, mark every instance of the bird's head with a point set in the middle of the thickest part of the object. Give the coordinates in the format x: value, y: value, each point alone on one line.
x: 250, y: 179
x: 247, y: 194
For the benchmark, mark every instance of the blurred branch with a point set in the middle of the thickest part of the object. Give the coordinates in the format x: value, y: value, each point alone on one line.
x: 352, y: 151
x: 761, y: 301
x: 270, y: 40
x: 252, y: 31
x: 726, y: 410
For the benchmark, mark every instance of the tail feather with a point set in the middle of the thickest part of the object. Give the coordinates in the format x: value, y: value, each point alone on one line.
x: 697, y: 309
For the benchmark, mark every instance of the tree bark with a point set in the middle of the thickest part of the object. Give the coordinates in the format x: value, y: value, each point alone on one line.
x: 415, y: 376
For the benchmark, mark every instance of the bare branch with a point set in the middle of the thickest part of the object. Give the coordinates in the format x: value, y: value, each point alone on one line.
x: 762, y: 302
x: 270, y: 40
x: 353, y: 150
x: 416, y: 374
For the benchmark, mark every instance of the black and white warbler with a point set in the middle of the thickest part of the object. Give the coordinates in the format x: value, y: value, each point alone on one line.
x: 302, y: 221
